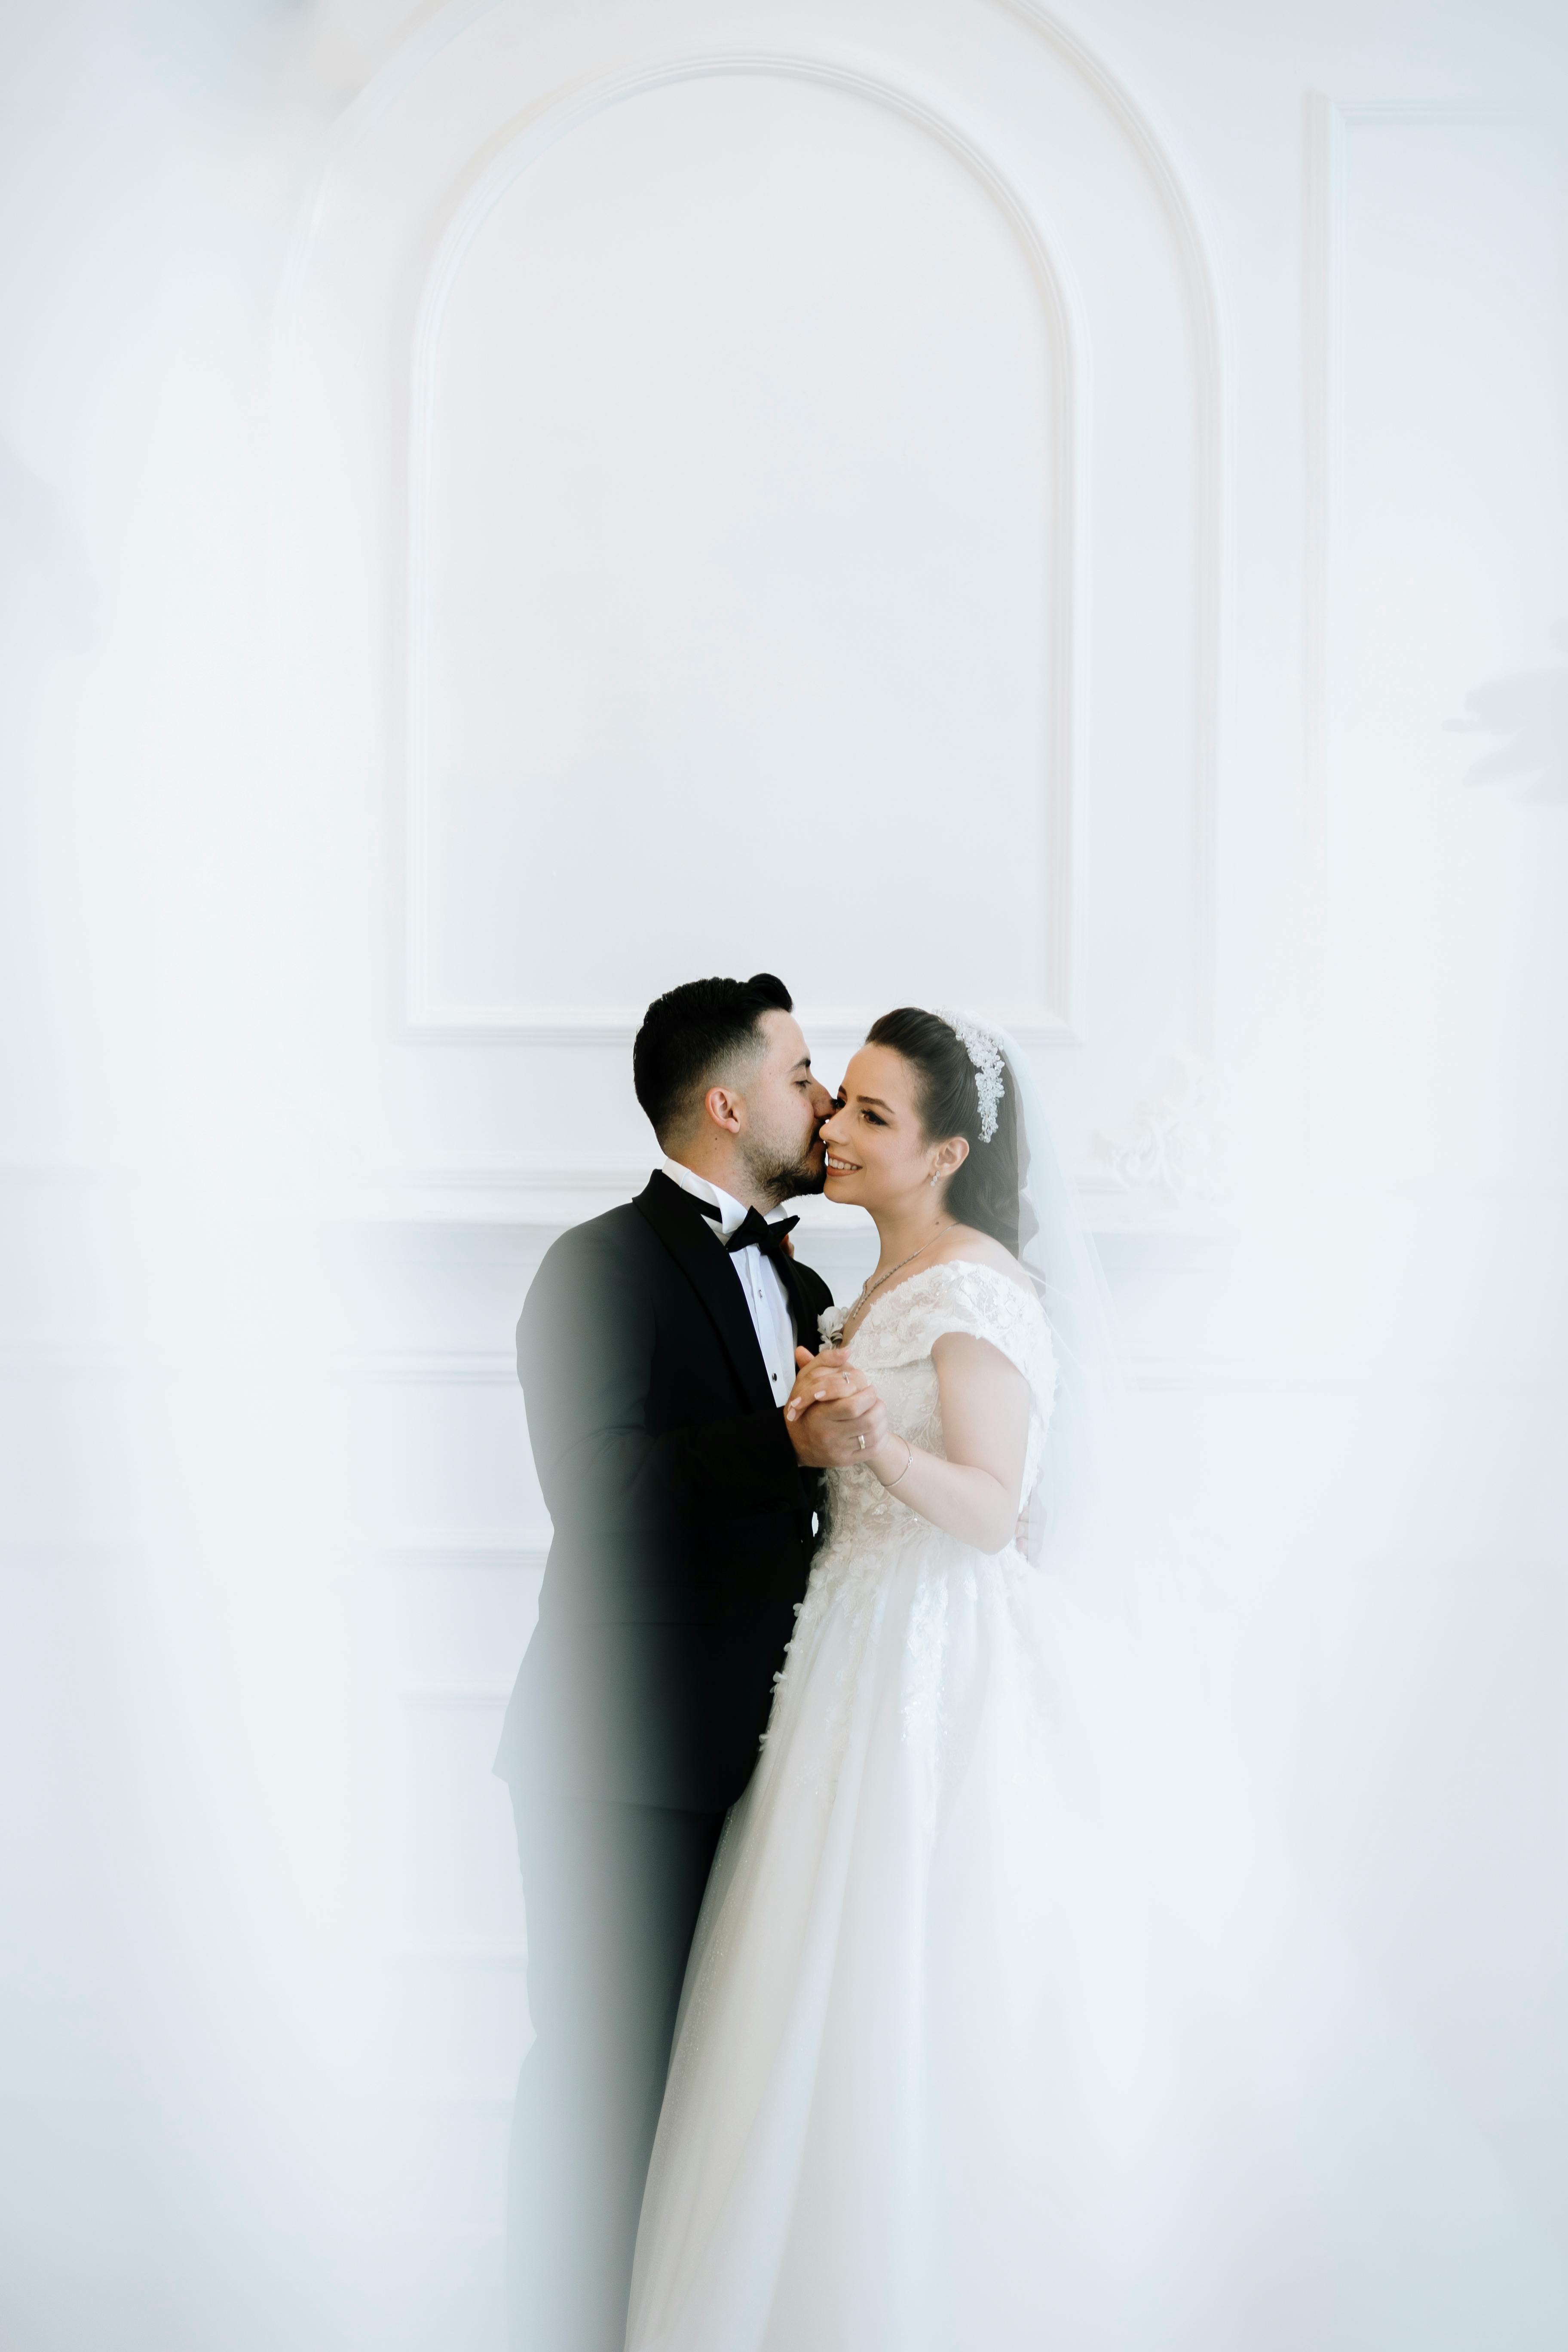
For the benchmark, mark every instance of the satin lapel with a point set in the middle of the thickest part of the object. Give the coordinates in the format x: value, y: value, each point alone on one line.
x: 802, y: 1312
x: 683, y: 1229
x: 808, y: 1296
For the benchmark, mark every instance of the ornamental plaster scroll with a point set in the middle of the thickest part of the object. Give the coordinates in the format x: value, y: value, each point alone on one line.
x: 1175, y: 1144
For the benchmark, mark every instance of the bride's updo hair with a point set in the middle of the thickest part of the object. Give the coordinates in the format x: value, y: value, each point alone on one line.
x: 984, y: 1190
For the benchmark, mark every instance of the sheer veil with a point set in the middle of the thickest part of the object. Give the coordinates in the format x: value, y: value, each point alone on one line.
x: 1087, y: 1516
x: 1333, y: 2110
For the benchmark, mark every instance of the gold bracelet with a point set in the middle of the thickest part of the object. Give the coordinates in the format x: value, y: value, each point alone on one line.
x: 909, y: 1456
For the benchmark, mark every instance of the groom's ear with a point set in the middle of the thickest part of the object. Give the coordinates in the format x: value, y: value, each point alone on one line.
x: 722, y: 1106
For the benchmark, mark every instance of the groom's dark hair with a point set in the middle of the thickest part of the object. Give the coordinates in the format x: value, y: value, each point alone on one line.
x: 687, y: 1035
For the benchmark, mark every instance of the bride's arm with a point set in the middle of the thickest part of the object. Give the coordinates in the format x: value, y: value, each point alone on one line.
x: 974, y: 1493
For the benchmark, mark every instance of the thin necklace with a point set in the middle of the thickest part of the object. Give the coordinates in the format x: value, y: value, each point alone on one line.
x: 867, y: 1286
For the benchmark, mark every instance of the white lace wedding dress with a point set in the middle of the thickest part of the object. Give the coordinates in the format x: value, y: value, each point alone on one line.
x: 1000, y: 2034
x: 850, y: 2153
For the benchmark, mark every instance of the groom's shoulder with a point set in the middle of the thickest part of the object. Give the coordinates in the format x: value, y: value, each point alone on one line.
x: 615, y: 1237
x: 596, y: 1269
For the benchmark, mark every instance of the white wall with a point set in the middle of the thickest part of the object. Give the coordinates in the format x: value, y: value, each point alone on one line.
x: 508, y: 507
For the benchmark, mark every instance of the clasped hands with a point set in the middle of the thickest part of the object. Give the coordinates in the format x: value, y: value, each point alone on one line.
x: 831, y: 1409
x: 833, y: 1406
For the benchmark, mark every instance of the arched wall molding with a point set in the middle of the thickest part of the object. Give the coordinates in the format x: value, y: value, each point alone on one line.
x: 1214, y: 568
x: 1216, y: 505
x: 1057, y: 1021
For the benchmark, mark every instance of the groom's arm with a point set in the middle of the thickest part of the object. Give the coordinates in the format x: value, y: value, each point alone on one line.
x: 585, y: 1352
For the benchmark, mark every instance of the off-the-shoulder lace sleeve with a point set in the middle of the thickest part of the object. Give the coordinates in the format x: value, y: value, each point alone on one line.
x: 961, y: 1296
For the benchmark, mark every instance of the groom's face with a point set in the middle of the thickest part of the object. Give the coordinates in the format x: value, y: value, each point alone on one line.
x: 784, y: 1108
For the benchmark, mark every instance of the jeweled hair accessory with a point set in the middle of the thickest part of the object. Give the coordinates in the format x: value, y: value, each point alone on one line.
x: 986, y: 1056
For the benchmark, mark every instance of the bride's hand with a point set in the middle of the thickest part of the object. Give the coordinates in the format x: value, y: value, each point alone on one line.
x: 821, y: 1378
x: 833, y: 1415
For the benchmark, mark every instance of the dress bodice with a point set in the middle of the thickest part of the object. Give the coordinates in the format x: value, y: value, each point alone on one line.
x: 893, y: 1344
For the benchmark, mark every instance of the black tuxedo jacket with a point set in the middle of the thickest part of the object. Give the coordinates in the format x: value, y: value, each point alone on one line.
x: 683, y: 1525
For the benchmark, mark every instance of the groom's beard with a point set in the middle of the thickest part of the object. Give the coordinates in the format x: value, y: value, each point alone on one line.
x: 776, y: 1179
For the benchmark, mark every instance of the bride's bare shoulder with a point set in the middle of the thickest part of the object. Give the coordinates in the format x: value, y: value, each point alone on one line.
x: 968, y: 1243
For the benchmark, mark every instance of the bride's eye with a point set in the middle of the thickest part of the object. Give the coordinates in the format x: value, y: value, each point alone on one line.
x: 874, y: 1119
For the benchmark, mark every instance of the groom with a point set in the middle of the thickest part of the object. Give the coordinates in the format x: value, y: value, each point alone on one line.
x: 657, y: 1348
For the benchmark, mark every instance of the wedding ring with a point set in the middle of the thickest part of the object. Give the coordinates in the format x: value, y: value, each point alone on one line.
x: 861, y: 1439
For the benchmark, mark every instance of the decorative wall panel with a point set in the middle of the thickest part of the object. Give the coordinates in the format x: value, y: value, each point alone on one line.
x: 742, y: 564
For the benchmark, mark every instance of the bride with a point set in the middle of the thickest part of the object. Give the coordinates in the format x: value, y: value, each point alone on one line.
x: 1003, y: 2027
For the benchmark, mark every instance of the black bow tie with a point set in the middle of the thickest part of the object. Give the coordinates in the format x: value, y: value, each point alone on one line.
x: 754, y: 1232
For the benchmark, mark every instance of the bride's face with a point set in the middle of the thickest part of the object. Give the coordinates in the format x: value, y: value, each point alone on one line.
x: 878, y: 1155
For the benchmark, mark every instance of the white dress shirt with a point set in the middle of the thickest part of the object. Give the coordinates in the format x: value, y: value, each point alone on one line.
x: 761, y: 1284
